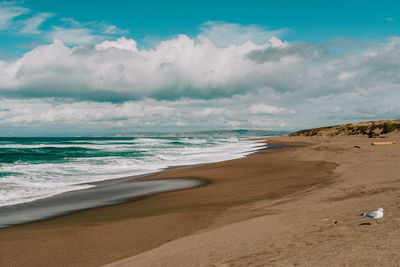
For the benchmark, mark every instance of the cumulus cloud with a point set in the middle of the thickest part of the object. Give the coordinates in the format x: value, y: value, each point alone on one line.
x: 255, y: 80
x: 196, y: 68
x: 279, y: 52
x: 176, y: 68
x: 121, y: 44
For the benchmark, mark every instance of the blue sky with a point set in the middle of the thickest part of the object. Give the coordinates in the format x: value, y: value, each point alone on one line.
x: 97, y: 65
x: 309, y: 20
x: 151, y: 21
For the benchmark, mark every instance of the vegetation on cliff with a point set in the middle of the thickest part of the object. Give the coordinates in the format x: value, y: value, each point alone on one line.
x: 370, y: 128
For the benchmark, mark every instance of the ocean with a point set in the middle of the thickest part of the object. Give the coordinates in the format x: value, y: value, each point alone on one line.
x: 37, y: 168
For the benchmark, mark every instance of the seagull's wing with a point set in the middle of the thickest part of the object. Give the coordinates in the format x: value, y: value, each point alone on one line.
x: 371, y: 214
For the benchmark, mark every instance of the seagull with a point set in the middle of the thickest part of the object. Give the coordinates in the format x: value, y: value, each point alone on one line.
x: 377, y: 214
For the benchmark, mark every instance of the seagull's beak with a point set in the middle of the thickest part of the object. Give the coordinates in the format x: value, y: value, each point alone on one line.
x: 382, y: 209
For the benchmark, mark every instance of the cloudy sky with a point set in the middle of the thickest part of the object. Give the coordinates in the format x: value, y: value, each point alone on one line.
x: 109, y: 67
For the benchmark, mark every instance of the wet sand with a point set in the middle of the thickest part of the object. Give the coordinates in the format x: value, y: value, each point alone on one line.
x: 295, y: 206
x: 109, y: 193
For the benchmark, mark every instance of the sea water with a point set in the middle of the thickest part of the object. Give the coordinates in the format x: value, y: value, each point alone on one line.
x: 35, y: 168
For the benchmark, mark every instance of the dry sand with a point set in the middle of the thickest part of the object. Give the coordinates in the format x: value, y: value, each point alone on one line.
x: 278, y: 208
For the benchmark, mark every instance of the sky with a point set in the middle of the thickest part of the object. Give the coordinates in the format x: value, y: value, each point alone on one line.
x: 70, y: 68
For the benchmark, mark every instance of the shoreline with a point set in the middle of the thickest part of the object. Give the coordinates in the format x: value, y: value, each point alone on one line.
x: 295, y: 206
x: 95, y: 197
x: 89, y: 172
x: 133, y: 227
x: 104, y: 193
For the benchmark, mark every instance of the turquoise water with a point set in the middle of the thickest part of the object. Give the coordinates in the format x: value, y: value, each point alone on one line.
x: 34, y: 168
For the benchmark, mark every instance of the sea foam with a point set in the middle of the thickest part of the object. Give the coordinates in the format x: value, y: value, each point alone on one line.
x: 36, y: 168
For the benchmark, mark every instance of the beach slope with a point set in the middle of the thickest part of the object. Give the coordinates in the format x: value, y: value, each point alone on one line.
x: 280, y: 207
x: 321, y: 226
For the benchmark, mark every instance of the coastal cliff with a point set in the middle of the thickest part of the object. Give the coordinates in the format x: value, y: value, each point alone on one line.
x: 370, y: 128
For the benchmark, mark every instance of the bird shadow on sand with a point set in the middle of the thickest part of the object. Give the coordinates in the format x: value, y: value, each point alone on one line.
x: 366, y: 223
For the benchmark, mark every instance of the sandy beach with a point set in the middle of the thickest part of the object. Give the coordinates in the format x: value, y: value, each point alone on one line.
x: 285, y: 207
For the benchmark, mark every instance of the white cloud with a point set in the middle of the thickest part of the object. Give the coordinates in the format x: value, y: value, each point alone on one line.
x: 70, y: 31
x: 234, y: 124
x: 179, y: 67
x: 180, y: 123
x: 121, y: 43
x: 32, y: 24
x: 9, y: 11
x: 71, y: 36
x: 208, y: 111
x: 111, y: 29
x: 265, y: 109
x: 225, y: 34
x: 75, y: 33
x: 34, y: 112
x: 266, y: 123
x: 108, y: 29
x: 187, y: 82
